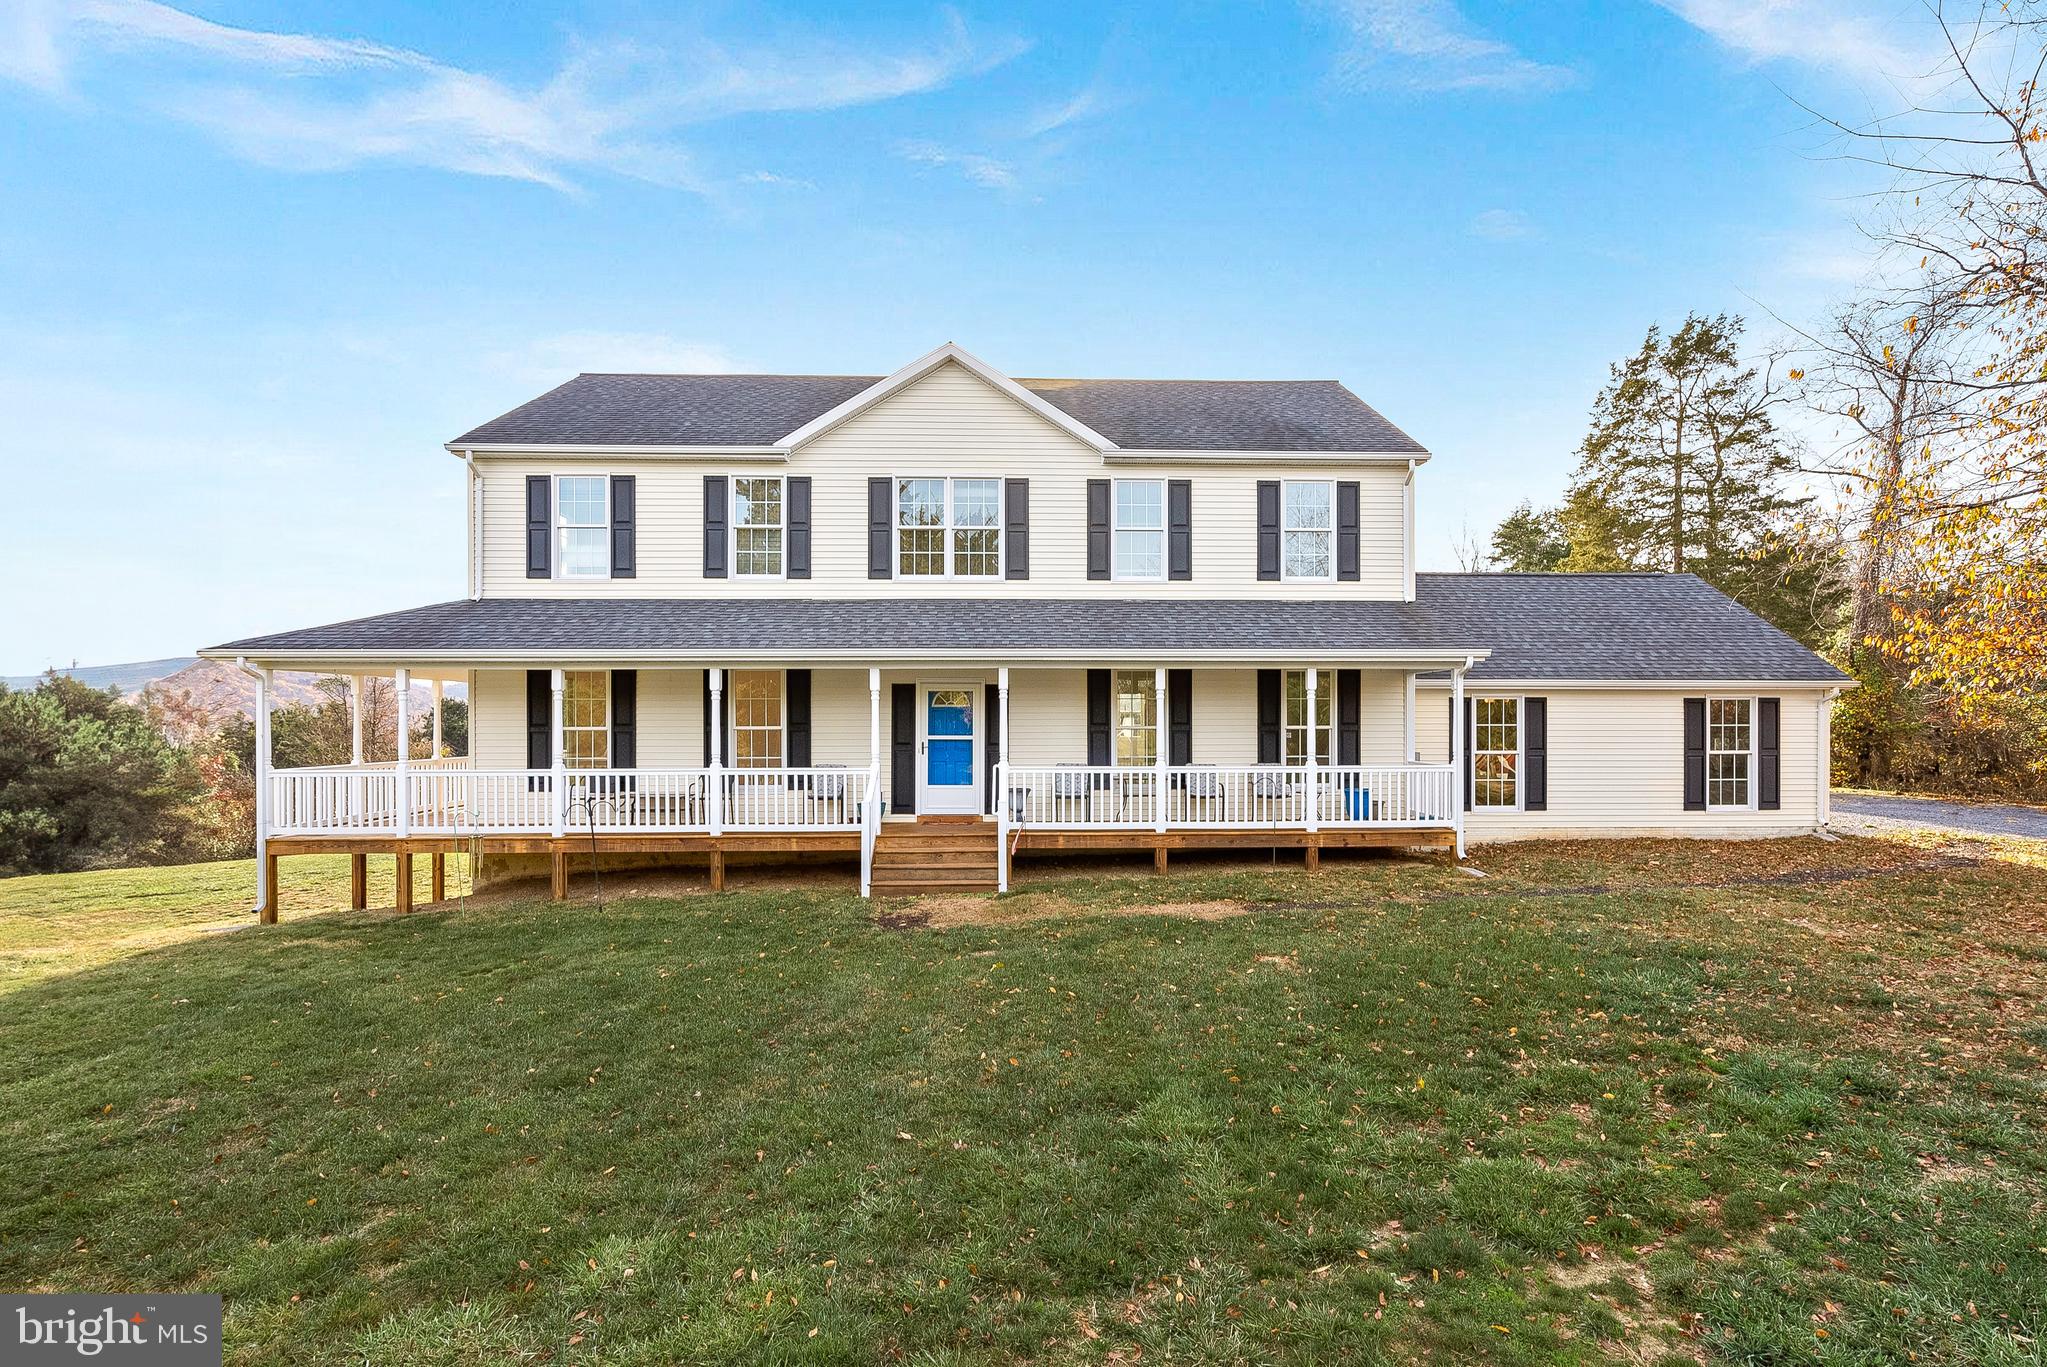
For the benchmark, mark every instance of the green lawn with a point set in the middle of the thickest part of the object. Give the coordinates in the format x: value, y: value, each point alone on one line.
x: 1772, y: 1103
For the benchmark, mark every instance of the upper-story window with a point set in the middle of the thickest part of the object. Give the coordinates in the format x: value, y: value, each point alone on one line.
x: 1140, y: 529
x: 1729, y: 738
x: 582, y: 526
x: 757, y: 526
x: 949, y: 528
x: 1307, y: 529
x: 1495, y: 752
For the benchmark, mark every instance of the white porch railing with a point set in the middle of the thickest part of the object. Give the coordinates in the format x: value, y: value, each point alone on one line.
x: 1237, y: 797
x: 445, y: 800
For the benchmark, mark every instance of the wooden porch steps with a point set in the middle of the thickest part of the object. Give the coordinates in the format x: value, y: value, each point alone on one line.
x: 915, y: 858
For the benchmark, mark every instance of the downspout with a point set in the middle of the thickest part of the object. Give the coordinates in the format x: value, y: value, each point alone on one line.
x: 262, y: 767
x: 1407, y: 532
x: 475, y: 526
x: 1823, y: 775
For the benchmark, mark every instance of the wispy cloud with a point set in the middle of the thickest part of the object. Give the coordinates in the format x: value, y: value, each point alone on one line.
x: 1849, y: 38
x: 1502, y: 225
x: 988, y: 172
x: 312, y: 102
x: 1428, y: 45
x: 1089, y: 103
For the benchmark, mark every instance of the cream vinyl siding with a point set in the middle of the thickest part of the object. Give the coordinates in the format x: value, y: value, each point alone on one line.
x: 949, y: 423
x: 670, y: 721
x: 1616, y: 765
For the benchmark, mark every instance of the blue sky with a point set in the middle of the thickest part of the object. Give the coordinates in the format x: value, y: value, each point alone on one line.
x: 258, y: 260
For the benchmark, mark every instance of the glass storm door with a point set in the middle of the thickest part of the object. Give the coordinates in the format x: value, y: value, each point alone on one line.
x: 950, y: 778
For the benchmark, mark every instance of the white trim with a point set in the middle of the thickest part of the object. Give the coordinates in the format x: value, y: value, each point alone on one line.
x: 1116, y: 526
x: 338, y: 660
x: 1157, y: 728
x: 555, y: 527
x: 946, y: 528
x: 1541, y: 686
x: 1407, y: 532
x: 976, y: 800
x: 1751, y: 777
x: 1329, y: 531
x: 924, y: 365
x: 732, y: 727
x: 595, y: 451
x: 1133, y: 455
x: 732, y: 479
x: 1471, y: 700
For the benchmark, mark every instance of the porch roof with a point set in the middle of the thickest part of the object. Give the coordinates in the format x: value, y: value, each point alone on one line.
x: 726, y: 630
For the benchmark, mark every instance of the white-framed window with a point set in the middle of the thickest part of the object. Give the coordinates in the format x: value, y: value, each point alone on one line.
x: 586, y: 718
x: 759, y: 520
x: 948, y: 528
x: 582, y: 526
x: 1140, y: 529
x: 1496, y: 752
x: 1297, y: 733
x: 753, y: 699
x: 1307, y: 529
x: 1137, y: 718
x: 1730, y: 750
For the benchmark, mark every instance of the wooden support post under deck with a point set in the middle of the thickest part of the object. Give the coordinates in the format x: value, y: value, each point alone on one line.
x: 267, y: 914
x: 1314, y: 858
x: 358, y: 881
x: 717, y: 870
x: 402, y: 881
x: 559, y: 886
x: 1159, y: 857
x: 439, y: 864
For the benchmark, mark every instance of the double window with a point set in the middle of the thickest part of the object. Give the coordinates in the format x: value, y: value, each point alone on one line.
x: 1298, y: 731
x: 1140, y: 531
x: 754, y: 697
x: 1730, y: 742
x: 582, y: 526
x: 1137, y: 718
x: 948, y: 528
x: 1307, y: 529
x: 1495, y: 752
x: 759, y: 521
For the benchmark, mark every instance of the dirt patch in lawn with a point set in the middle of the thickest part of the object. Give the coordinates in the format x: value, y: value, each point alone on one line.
x: 946, y: 912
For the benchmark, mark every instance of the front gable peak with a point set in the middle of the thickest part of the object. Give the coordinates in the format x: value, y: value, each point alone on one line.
x: 931, y: 360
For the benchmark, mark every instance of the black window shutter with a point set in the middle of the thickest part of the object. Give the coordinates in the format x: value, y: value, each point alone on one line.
x: 1470, y: 738
x: 1695, y: 754
x: 717, y: 524
x: 539, y: 525
x: 1179, y: 716
x: 991, y: 752
x: 1347, y: 533
x: 1179, y: 529
x: 622, y: 547
x: 1350, y: 716
x: 1268, y: 529
x: 1535, y: 754
x: 1016, y: 531
x: 625, y: 719
x: 902, y: 744
x: 719, y: 721
x: 1268, y: 716
x: 539, y: 719
x: 796, y: 507
x: 796, y: 684
x: 880, y: 538
x: 1099, y: 747
x: 1098, y: 529
x: 1769, y: 758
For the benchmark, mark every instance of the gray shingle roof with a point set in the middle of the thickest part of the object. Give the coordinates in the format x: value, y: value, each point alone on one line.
x: 759, y: 410
x: 1598, y: 626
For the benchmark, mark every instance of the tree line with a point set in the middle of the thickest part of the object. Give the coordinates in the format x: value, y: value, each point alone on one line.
x: 89, y: 780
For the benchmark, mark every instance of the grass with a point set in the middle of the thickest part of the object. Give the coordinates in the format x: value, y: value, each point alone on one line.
x: 1775, y: 1102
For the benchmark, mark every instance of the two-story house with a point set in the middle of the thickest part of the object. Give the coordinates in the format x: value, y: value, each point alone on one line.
x: 936, y: 619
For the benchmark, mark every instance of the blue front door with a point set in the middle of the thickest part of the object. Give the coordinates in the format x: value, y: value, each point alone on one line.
x: 950, y: 782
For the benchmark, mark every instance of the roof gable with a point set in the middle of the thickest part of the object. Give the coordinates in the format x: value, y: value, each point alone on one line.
x: 949, y: 354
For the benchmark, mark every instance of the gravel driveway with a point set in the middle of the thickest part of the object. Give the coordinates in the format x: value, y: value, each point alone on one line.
x: 1857, y: 814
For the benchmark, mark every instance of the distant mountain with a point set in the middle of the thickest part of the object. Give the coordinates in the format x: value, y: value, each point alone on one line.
x: 129, y: 678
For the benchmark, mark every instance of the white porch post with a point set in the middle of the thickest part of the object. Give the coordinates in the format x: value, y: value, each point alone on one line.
x: 874, y: 720
x: 714, y: 680
x: 263, y: 812
x: 1312, y: 777
x: 1457, y: 754
x: 1158, y: 690
x: 1413, y: 752
x: 355, y: 719
x: 561, y: 768
x: 1002, y: 812
x: 403, y: 681
x: 870, y: 812
x: 437, y: 720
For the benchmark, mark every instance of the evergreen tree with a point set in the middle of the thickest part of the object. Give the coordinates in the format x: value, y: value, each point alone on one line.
x: 1528, y: 541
